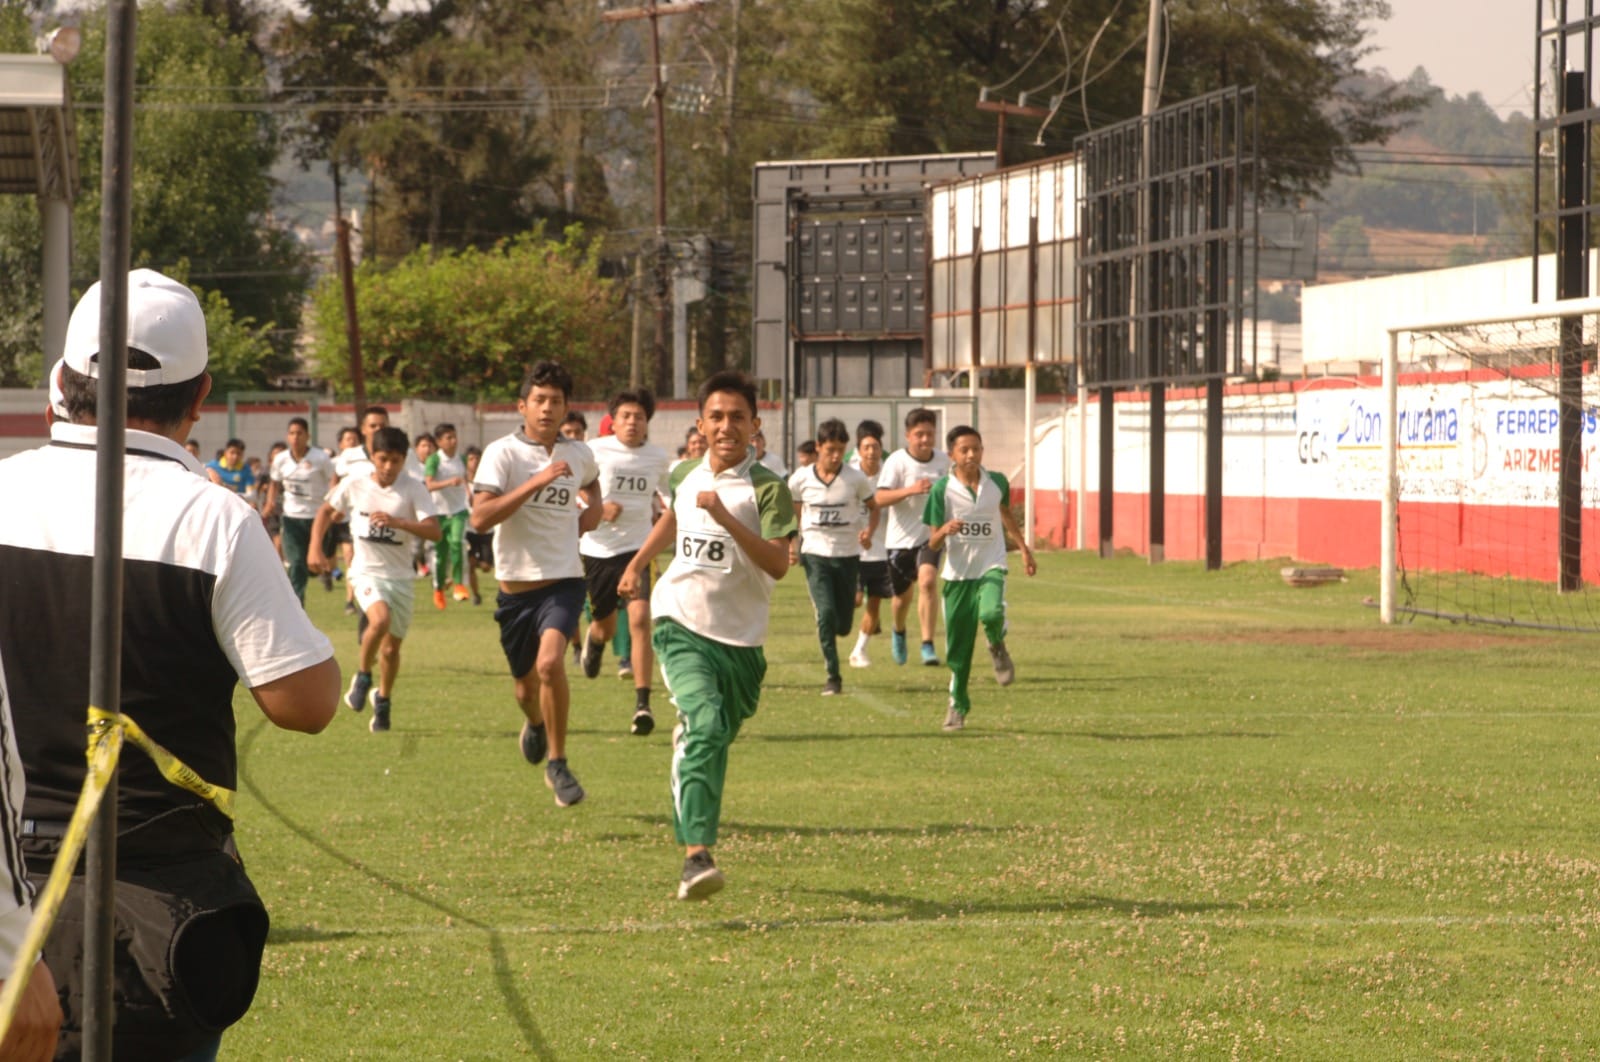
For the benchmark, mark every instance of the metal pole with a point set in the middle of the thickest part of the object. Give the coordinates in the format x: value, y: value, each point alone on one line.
x: 1147, y: 323
x: 1389, y: 533
x: 1108, y: 467
x: 56, y: 216
x: 663, y: 280
x: 634, y: 377
x: 111, y: 419
x: 1572, y: 258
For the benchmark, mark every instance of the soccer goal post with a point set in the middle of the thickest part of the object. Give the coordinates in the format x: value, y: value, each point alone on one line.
x: 1489, y: 428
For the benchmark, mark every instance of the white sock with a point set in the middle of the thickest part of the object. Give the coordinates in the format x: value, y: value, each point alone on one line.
x: 861, y: 642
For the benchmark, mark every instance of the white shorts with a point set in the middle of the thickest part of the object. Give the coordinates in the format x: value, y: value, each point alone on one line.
x: 396, y: 593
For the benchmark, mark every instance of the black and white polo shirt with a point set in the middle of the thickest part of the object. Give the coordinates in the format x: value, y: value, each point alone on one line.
x: 206, y: 604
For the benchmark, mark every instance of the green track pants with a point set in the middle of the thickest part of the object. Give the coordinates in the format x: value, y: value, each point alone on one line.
x: 967, y: 604
x: 715, y: 687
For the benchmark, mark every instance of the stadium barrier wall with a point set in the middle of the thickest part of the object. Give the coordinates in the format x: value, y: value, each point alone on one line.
x: 1303, y: 465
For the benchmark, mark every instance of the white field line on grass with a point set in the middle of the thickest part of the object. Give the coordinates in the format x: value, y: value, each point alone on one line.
x: 876, y: 703
x: 1242, y: 922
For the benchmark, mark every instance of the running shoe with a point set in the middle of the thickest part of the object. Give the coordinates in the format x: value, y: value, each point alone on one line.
x: 1005, y: 672
x: 833, y: 687
x: 624, y: 668
x: 592, y: 651
x: 929, y: 657
x: 534, y: 742
x: 438, y: 600
x: 897, y: 646
x: 355, y: 698
x: 477, y: 598
x: 380, y: 712
x: 459, y: 592
x: 349, y: 608
x: 643, y: 723
x: 701, y: 878
x: 953, y: 719
x: 859, y: 659
x: 560, y: 781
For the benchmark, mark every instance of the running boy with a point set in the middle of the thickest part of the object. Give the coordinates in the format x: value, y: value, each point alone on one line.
x: 906, y: 477
x: 875, y: 585
x: 729, y: 524
x: 388, y: 512
x: 834, y: 505
x: 446, y: 477
x: 970, y: 511
x: 632, y: 473
x: 527, y: 489
x: 300, y: 475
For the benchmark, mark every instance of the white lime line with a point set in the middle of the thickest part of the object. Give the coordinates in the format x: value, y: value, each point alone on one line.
x: 1241, y: 921
x: 876, y: 703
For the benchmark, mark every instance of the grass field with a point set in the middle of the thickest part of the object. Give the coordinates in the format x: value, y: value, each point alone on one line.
x: 1214, y: 816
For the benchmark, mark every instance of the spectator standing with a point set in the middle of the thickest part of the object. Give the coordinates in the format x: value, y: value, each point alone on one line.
x: 205, y: 604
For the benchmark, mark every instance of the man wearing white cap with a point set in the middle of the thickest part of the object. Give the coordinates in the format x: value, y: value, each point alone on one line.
x: 205, y: 604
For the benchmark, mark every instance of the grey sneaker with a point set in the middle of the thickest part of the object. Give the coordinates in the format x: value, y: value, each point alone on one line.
x: 624, y: 668
x: 701, y: 878
x: 954, y: 720
x: 560, y: 782
x: 380, y: 712
x: 643, y: 723
x: 355, y: 698
x: 534, y: 743
x: 1004, y: 671
x: 833, y: 687
x: 592, y: 651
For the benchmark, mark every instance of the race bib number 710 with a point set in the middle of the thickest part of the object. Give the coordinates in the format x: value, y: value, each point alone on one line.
x: 707, y: 549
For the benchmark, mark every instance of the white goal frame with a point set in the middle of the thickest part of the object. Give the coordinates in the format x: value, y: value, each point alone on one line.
x: 1389, y: 530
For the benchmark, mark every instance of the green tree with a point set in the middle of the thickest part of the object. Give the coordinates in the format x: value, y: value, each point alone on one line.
x: 465, y: 324
x: 202, y: 191
x: 330, y: 58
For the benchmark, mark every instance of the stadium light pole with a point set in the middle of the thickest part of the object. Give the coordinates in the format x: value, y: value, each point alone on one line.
x: 105, y: 627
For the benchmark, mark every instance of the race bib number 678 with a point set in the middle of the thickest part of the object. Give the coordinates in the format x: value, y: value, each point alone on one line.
x: 705, y: 549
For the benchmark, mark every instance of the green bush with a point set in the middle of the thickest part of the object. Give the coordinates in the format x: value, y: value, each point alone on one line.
x: 466, y: 324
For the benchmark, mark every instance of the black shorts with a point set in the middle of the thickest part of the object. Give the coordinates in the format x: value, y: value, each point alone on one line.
x: 903, y: 565
x: 338, y: 535
x: 875, y: 581
x: 524, y: 618
x: 602, y: 575
x: 480, y: 548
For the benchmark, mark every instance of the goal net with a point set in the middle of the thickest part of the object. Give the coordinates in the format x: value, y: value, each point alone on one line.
x: 1473, y: 444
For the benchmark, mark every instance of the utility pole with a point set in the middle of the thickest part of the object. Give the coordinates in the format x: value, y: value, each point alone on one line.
x: 352, y: 327
x: 1000, y: 108
x: 655, y: 12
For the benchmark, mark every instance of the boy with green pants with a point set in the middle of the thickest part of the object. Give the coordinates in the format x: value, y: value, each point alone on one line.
x: 729, y: 526
x: 446, y: 477
x: 969, y: 511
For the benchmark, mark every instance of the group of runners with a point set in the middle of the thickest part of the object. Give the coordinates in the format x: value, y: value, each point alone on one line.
x: 576, y: 526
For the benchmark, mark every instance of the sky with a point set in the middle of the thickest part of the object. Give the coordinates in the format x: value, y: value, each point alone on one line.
x: 1484, y: 46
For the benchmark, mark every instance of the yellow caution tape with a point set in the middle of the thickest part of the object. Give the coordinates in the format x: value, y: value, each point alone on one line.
x: 107, y: 730
x: 172, y: 769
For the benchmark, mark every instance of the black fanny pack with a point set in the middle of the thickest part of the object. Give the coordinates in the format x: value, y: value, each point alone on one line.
x: 189, y: 935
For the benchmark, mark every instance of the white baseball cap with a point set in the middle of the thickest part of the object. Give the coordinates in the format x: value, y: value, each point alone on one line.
x: 58, y: 398
x: 164, y: 320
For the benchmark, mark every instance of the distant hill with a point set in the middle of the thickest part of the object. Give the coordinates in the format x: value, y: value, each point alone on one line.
x: 1449, y: 190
